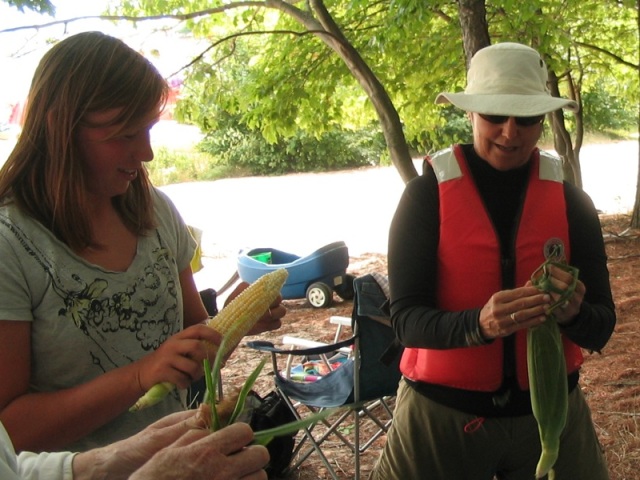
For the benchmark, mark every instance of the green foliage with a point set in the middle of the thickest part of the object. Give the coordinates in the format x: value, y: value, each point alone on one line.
x: 606, y: 112
x: 38, y: 6
x: 290, y: 80
x: 243, y: 149
x: 176, y: 166
x: 454, y: 127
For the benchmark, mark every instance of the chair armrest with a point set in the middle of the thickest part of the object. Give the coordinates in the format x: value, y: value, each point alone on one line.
x: 302, y: 342
x: 309, y: 344
x: 341, y: 321
x: 266, y: 346
x: 315, y: 348
x: 263, y: 346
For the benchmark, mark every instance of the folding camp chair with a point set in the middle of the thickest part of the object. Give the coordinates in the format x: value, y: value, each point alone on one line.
x: 364, y: 384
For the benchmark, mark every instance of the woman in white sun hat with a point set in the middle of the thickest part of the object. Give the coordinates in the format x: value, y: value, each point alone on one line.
x: 464, y: 242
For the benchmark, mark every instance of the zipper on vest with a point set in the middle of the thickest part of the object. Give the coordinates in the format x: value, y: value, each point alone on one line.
x: 508, y: 351
x: 507, y: 265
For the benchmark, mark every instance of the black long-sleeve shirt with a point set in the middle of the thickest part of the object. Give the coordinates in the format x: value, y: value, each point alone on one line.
x: 412, y: 264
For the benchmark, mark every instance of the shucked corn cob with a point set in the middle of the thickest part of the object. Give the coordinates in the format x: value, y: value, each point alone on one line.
x: 548, y: 373
x: 236, y: 319
x: 247, y: 308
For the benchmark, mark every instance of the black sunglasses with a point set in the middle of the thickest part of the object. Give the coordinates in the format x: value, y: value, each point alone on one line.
x: 521, y: 121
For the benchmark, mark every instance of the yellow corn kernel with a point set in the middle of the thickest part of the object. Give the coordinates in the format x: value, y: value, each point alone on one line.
x: 244, y: 311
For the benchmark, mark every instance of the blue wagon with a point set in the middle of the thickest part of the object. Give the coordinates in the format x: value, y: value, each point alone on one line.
x: 315, y: 276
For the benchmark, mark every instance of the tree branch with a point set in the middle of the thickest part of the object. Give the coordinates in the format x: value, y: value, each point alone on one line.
x: 233, y: 36
x: 132, y: 18
x: 609, y: 54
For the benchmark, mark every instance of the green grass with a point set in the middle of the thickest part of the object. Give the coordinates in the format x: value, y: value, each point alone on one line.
x: 178, y: 166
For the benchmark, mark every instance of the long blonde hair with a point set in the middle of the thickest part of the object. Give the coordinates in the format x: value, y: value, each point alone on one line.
x: 85, y: 73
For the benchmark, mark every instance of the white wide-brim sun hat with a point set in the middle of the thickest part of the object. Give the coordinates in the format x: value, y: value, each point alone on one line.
x: 507, y: 79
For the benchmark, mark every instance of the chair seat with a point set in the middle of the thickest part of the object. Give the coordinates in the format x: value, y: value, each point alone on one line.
x: 333, y: 390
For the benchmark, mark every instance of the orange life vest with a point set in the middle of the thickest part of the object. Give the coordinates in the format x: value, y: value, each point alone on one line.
x: 469, y: 268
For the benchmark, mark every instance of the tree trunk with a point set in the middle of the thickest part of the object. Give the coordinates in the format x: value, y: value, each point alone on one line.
x: 635, y: 216
x: 473, y: 23
x: 562, y: 142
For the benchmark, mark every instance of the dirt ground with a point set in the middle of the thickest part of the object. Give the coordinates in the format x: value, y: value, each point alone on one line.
x: 610, y: 380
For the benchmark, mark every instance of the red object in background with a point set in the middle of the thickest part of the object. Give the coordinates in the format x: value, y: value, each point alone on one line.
x: 18, y: 110
x: 172, y: 98
x: 17, y: 113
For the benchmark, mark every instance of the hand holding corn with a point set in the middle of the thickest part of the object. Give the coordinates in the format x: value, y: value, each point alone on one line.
x: 236, y: 319
x: 567, y: 294
x: 546, y: 364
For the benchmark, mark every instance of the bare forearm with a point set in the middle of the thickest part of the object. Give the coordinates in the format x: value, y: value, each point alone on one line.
x: 121, y: 459
x: 53, y: 420
x: 101, y: 463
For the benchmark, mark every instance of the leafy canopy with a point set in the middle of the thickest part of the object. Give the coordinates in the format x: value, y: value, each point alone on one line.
x: 38, y: 6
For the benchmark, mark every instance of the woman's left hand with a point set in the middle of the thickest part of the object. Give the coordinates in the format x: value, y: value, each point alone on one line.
x: 568, y: 310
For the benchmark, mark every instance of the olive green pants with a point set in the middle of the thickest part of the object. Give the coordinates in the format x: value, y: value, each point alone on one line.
x: 429, y: 441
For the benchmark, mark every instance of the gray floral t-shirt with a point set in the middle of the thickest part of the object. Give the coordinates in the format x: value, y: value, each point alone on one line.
x: 87, y: 320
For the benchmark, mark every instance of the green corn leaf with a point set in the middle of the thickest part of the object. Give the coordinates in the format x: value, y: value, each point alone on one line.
x: 212, y: 376
x: 209, y: 398
x: 263, y: 437
x: 541, y: 279
x: 246, y: 388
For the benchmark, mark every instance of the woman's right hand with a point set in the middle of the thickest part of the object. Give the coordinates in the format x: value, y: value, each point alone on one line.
x: 179, y: 445
x: 508, y: 311
x: 200, y: 455
x: 179, y: 360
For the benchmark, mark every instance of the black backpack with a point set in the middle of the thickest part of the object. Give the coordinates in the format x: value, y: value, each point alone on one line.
x: 268, y: 412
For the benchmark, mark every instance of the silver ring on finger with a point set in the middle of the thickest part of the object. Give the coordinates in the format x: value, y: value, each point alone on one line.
x: 513, y: 317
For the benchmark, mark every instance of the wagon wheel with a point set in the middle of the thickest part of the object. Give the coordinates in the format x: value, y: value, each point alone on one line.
x: 319, y: 295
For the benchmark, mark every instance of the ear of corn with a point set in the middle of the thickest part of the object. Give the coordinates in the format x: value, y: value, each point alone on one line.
x: 548, y: 373
x: 233, y: 322
x: 243, y: 312
x: 548, y: 387
x: 154, y: 395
